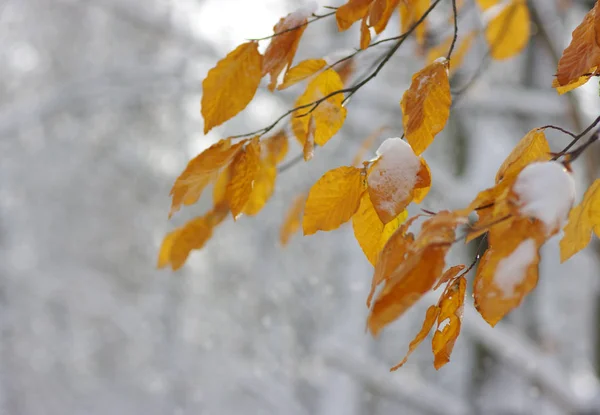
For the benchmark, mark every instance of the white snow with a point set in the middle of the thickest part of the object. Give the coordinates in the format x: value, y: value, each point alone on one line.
x: 395, y: 172
x: 511, y: 270
x: 443, y: 324
x: 304, y: 12
x: 546, y: 191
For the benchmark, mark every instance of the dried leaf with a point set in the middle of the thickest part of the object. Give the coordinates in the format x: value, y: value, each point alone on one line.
x: 230, y: 86
x: 507, y: 33
x: 333, y: 199
x: 449, y: 274
x: 426, y: 105
x: 292, y: 220
x: 532, y: 147
x: 448, y: 321
x: 300, y: 72
x: 380, y: 12
x: 262, y: 189
x: 365, y: 34
x: 329, y: 115
x: 351, y: 12
x: 430, y: 317
x: 583, y: 219
x: 244, y: 170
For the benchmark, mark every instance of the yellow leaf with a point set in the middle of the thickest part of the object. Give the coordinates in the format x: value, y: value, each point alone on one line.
x: 300, y: 72
x: 450, y: 317
x: 583, y: 219
x: 426, y: 105
x: 532, y: 147
x: 244, y: 170
x: 351, y: 12
x: 411, y: 11
x: 486, y: 4
x: 282, y: 49
x: 333, y: 199
x: 329, y: 116
x: 200, y: 171
x: 582, y: 80
x: 292, y: 219
x: 309, y: 145
x: 220, y: 187
x: 582, y: 57
x: 231, y: 85
x: 276, y: 147
x: 507, y: 33
x: 262, y: 190
x: 430, y: 317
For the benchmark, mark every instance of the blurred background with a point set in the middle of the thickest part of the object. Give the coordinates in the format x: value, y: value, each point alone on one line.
x: 99, y: 113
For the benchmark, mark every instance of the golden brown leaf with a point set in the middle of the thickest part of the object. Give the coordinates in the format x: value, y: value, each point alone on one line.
x: 329, y: 115
x: 423, y: 183
x: 430, y: 317
x: 583, y: 219
x: 449, y: 274
x: 351, y: 12
x: 345, y: 69
x: 380, y: 12
x: 365, y: 34
x: 300, y: 72
x: 451, y: 310
x: 507, y: 33
x: 200, y: 171
x: 262, y: 189
x: 426, y: 105
x: 220, y: 187
x: 411, y: 11
x: 230, y: 86
x: 292, y: 219
x: 574, y: 84
x: 532, y: 147
x: 276, y: 147
x: 309, y: 145
x: 244, y: 170
x: 333, y: 199
x: 282, y: 49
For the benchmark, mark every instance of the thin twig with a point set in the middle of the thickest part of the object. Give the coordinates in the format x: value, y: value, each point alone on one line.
x: 291, y: 29
x: 576, y: 139
x: 559, y: 129
x: 286, y: 166
x: 578, y: 151
x: 455, y: 36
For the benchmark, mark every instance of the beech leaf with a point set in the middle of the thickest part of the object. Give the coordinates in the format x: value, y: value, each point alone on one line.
x: 583, y: 219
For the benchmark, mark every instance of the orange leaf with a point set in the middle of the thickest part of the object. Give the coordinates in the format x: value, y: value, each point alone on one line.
x: 292, y: 219
x: 507, y: 33
x: 220, y: 187
x: 262, y: 188
x: 333, y: 199
x: 276, y: 147
x: 282, y: 49
x: 365, y: 34
x: 582, y: 56
x: 231, y: 85
x: 532, y: 147
x: 575, y: 83
x: 200, y: 171
x: 380, y: 13
x: 244, y: 170
x: 394, y: 177
x: 448, y: 321
x: 449, y: 274
x: 410, y: 12
x: 329, y: 115
x: 430, y: 317
x: 583, y: 219
x: 300, y: 72
x: 426, y: 105
x: 351, y: 12
x: 508, y: 270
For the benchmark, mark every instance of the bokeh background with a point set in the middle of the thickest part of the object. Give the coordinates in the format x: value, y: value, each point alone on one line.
x: 99, y: 112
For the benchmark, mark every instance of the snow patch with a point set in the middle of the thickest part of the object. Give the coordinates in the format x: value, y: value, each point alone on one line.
x: 546, y: 191
x: 511, y: 270
x: 443, y: 324
x: 304, y: 12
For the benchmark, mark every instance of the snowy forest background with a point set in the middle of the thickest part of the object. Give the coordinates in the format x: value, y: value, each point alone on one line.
x: 99, y: 112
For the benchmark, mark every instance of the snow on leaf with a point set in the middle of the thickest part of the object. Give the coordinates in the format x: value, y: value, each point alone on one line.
x: 333, y: 199
x: 583, y: 219
x: 449, y: 320
x: 582, y: 57
x: 507, y: 33
x: 545, y: 191
x: 244, y: 169
x: 351, y: 12
x: 394, y: 177
x: 329, y: 115
x: 300, y: 72
x: 231, y: 84
x: 532, y: 147
x: 200, y: 171
x: 282, y: 49
x: 426, y: 105
x: 410, y: 12
x: 292, y: 220
x: 430, y: 317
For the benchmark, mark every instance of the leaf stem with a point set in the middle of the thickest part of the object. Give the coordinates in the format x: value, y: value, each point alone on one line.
x: 291, y: 29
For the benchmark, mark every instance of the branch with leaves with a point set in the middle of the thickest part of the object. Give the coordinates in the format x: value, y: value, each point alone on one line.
x: 531, y: 200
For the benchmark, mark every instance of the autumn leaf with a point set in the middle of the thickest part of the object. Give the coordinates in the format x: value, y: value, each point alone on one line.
x: 532, y: 147
x: 308, y: 151
x: 220, y: 187
x: 276, y: 147
x: 230, y: 86
x: 575, y: 83
x: 200, y: 171
x: 449, y: 321
x: 365, y: 34
x: 426, y: 105
x: 351, y: 12
x: 449, y: 274
x: 292, y: 220
x: 583, y: 219
x: 507, y: 33
x: 458, y: 55
x: 380, y: 12
x: 582, y: 57
x: 262, y: 188
x: 282, y: 49
x: 394, y: 177
x: 244, y: 170
x: 329, y: 115
x: 300, y: 72
x: 411, y: 11
x: 430, y: 317
x: 333, y: 199
x: 486, y: 4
